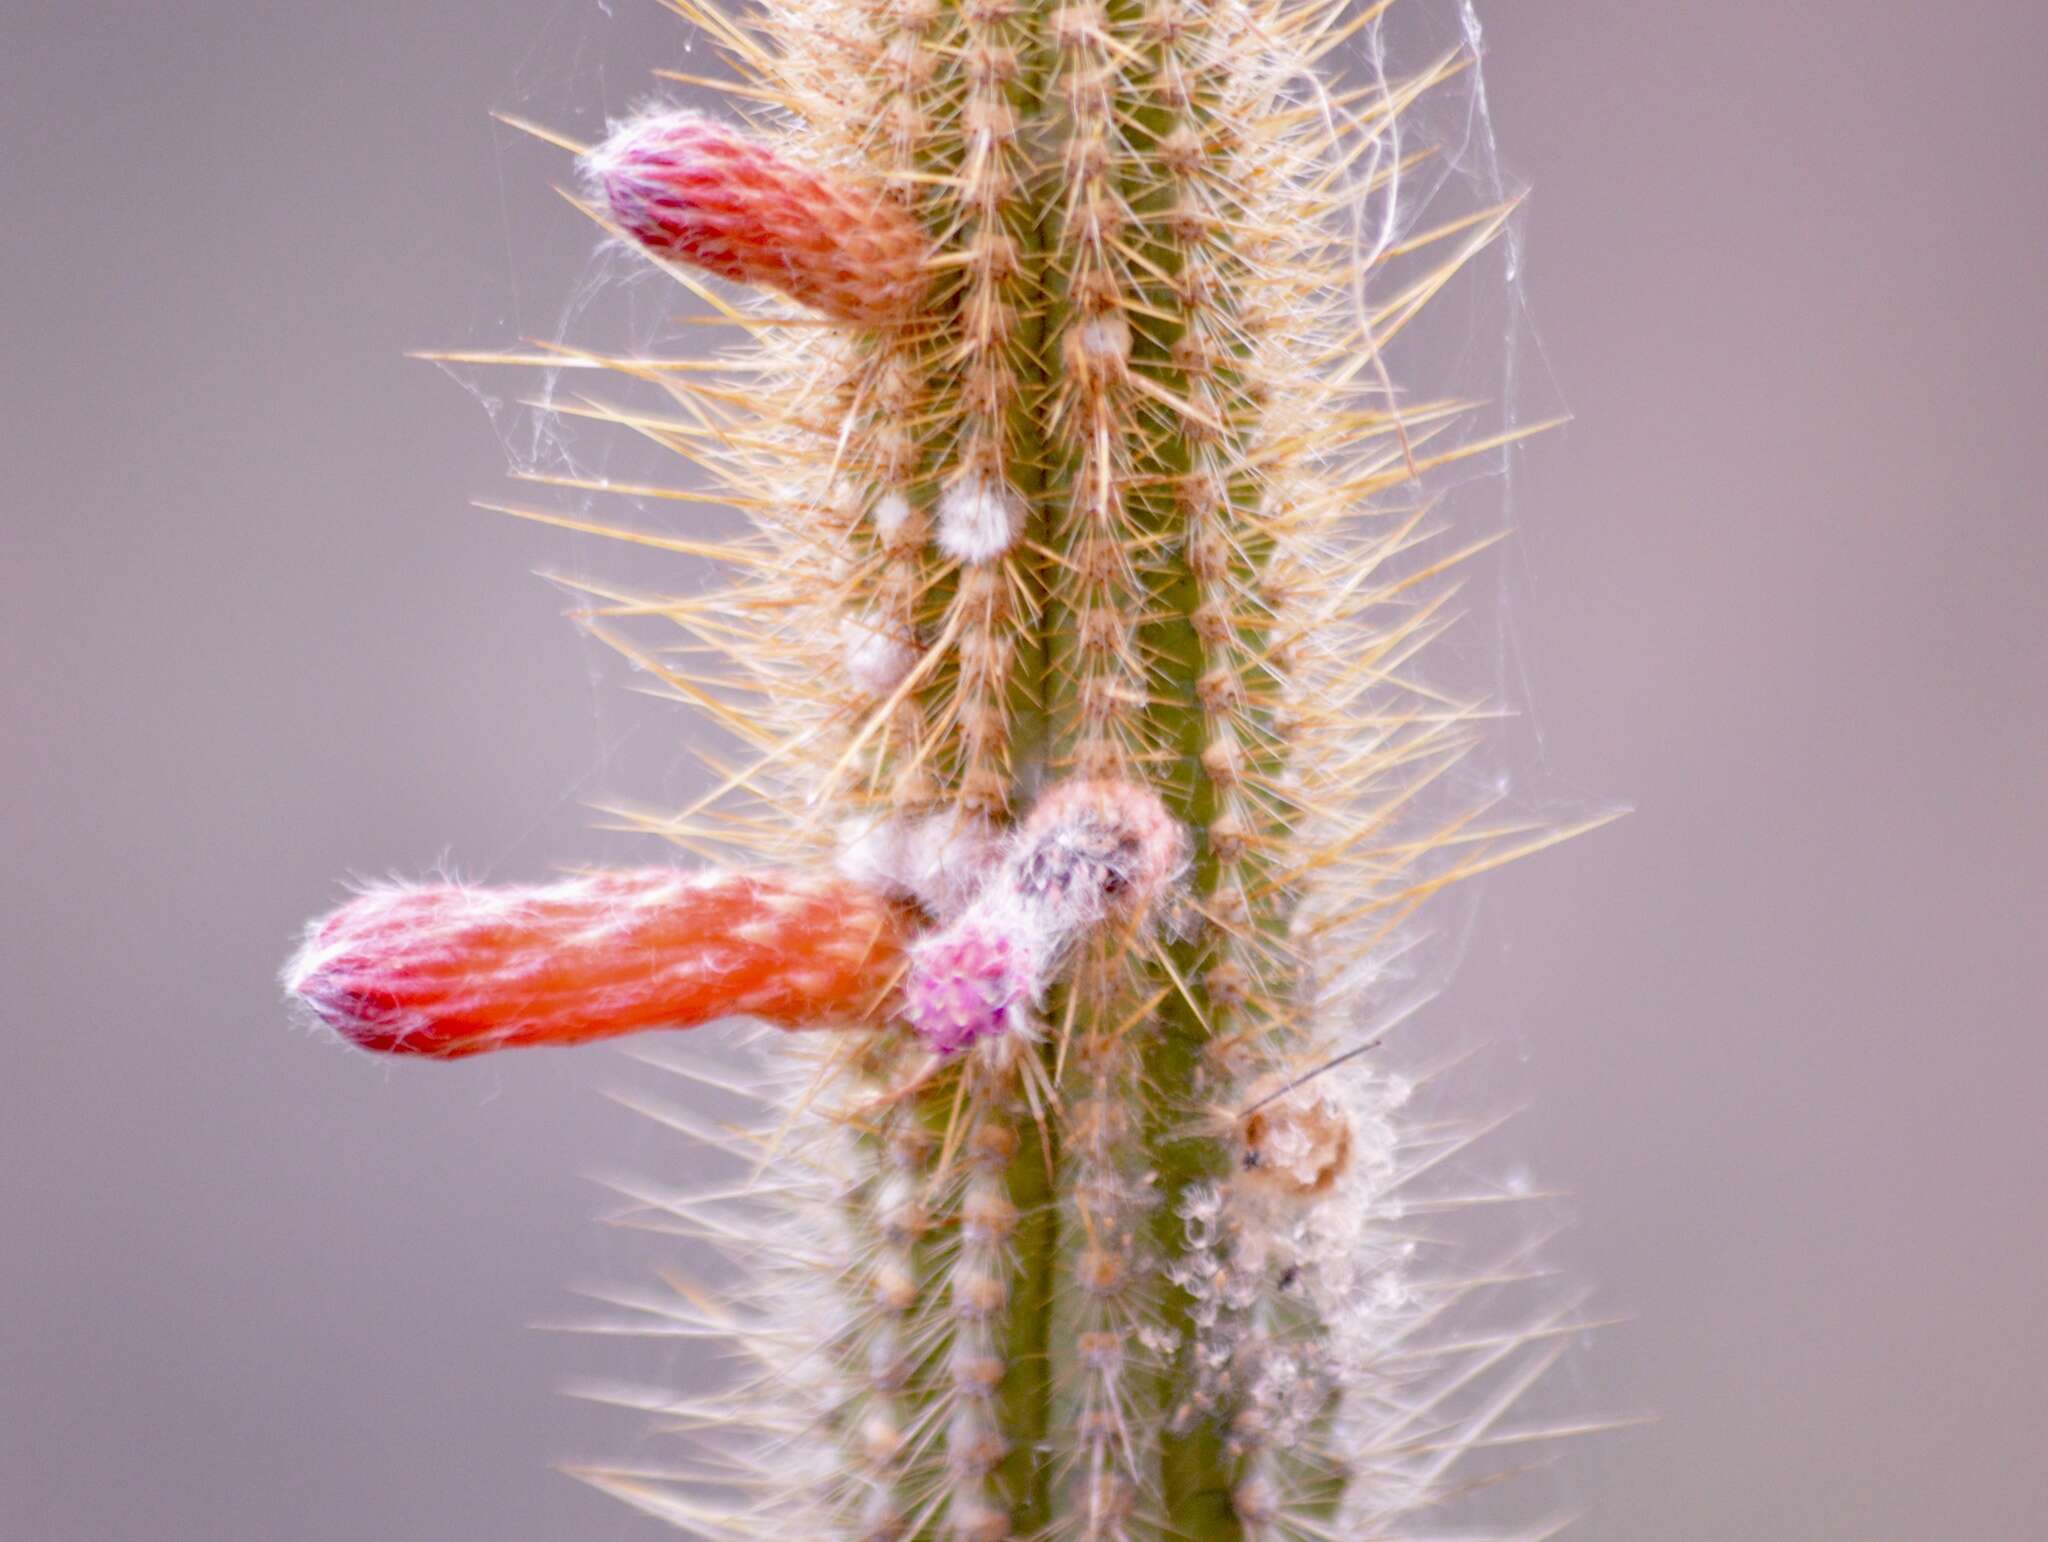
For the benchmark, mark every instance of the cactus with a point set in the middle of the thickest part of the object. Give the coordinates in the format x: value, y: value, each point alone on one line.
x: 1080, y: 642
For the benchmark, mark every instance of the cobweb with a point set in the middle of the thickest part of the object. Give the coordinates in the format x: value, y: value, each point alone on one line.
x: 1475, y: 341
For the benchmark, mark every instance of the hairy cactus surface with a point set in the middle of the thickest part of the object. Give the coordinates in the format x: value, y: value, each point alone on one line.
x: 1081, y: 642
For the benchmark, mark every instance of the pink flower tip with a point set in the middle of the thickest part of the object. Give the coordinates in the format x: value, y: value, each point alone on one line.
x: 967, y: 984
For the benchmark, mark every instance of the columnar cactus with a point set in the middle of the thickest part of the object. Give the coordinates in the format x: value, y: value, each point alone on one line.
x: 1081, y: 641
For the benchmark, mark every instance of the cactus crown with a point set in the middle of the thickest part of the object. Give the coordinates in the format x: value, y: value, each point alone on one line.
x: 1079, y: 630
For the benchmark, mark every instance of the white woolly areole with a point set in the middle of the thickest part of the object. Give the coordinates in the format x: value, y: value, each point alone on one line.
x: 938, y: 860
x: 1107, y: 336
x: 891, y: 514
x: 979, y: 519
x: 949, y: 858
x: 876, y: 656
x: 1104, y: 343
x: 871, y: 853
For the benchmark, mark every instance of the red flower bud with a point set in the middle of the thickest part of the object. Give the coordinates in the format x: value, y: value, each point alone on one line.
x: 690, y: 189
x: 448, y: 971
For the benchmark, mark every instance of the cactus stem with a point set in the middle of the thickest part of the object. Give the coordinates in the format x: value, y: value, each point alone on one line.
x: 1084, y: 632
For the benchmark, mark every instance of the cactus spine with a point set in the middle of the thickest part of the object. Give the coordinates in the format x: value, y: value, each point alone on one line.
x: 1077, y: 631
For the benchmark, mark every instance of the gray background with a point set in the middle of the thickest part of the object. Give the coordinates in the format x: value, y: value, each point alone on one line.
x: 1778, y: 1032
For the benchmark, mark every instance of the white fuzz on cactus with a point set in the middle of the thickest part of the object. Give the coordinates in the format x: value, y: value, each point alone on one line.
x: 1082, y: 639
x: 979, y: 519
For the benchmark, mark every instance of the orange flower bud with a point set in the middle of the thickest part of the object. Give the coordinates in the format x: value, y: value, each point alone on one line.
x: 447, y: 971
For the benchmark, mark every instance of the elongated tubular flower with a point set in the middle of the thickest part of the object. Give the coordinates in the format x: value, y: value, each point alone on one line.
x: 446, y: 970
x: 689, y: 188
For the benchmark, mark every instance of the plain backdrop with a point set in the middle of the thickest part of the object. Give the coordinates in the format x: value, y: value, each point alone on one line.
x: 1779, y: 1032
